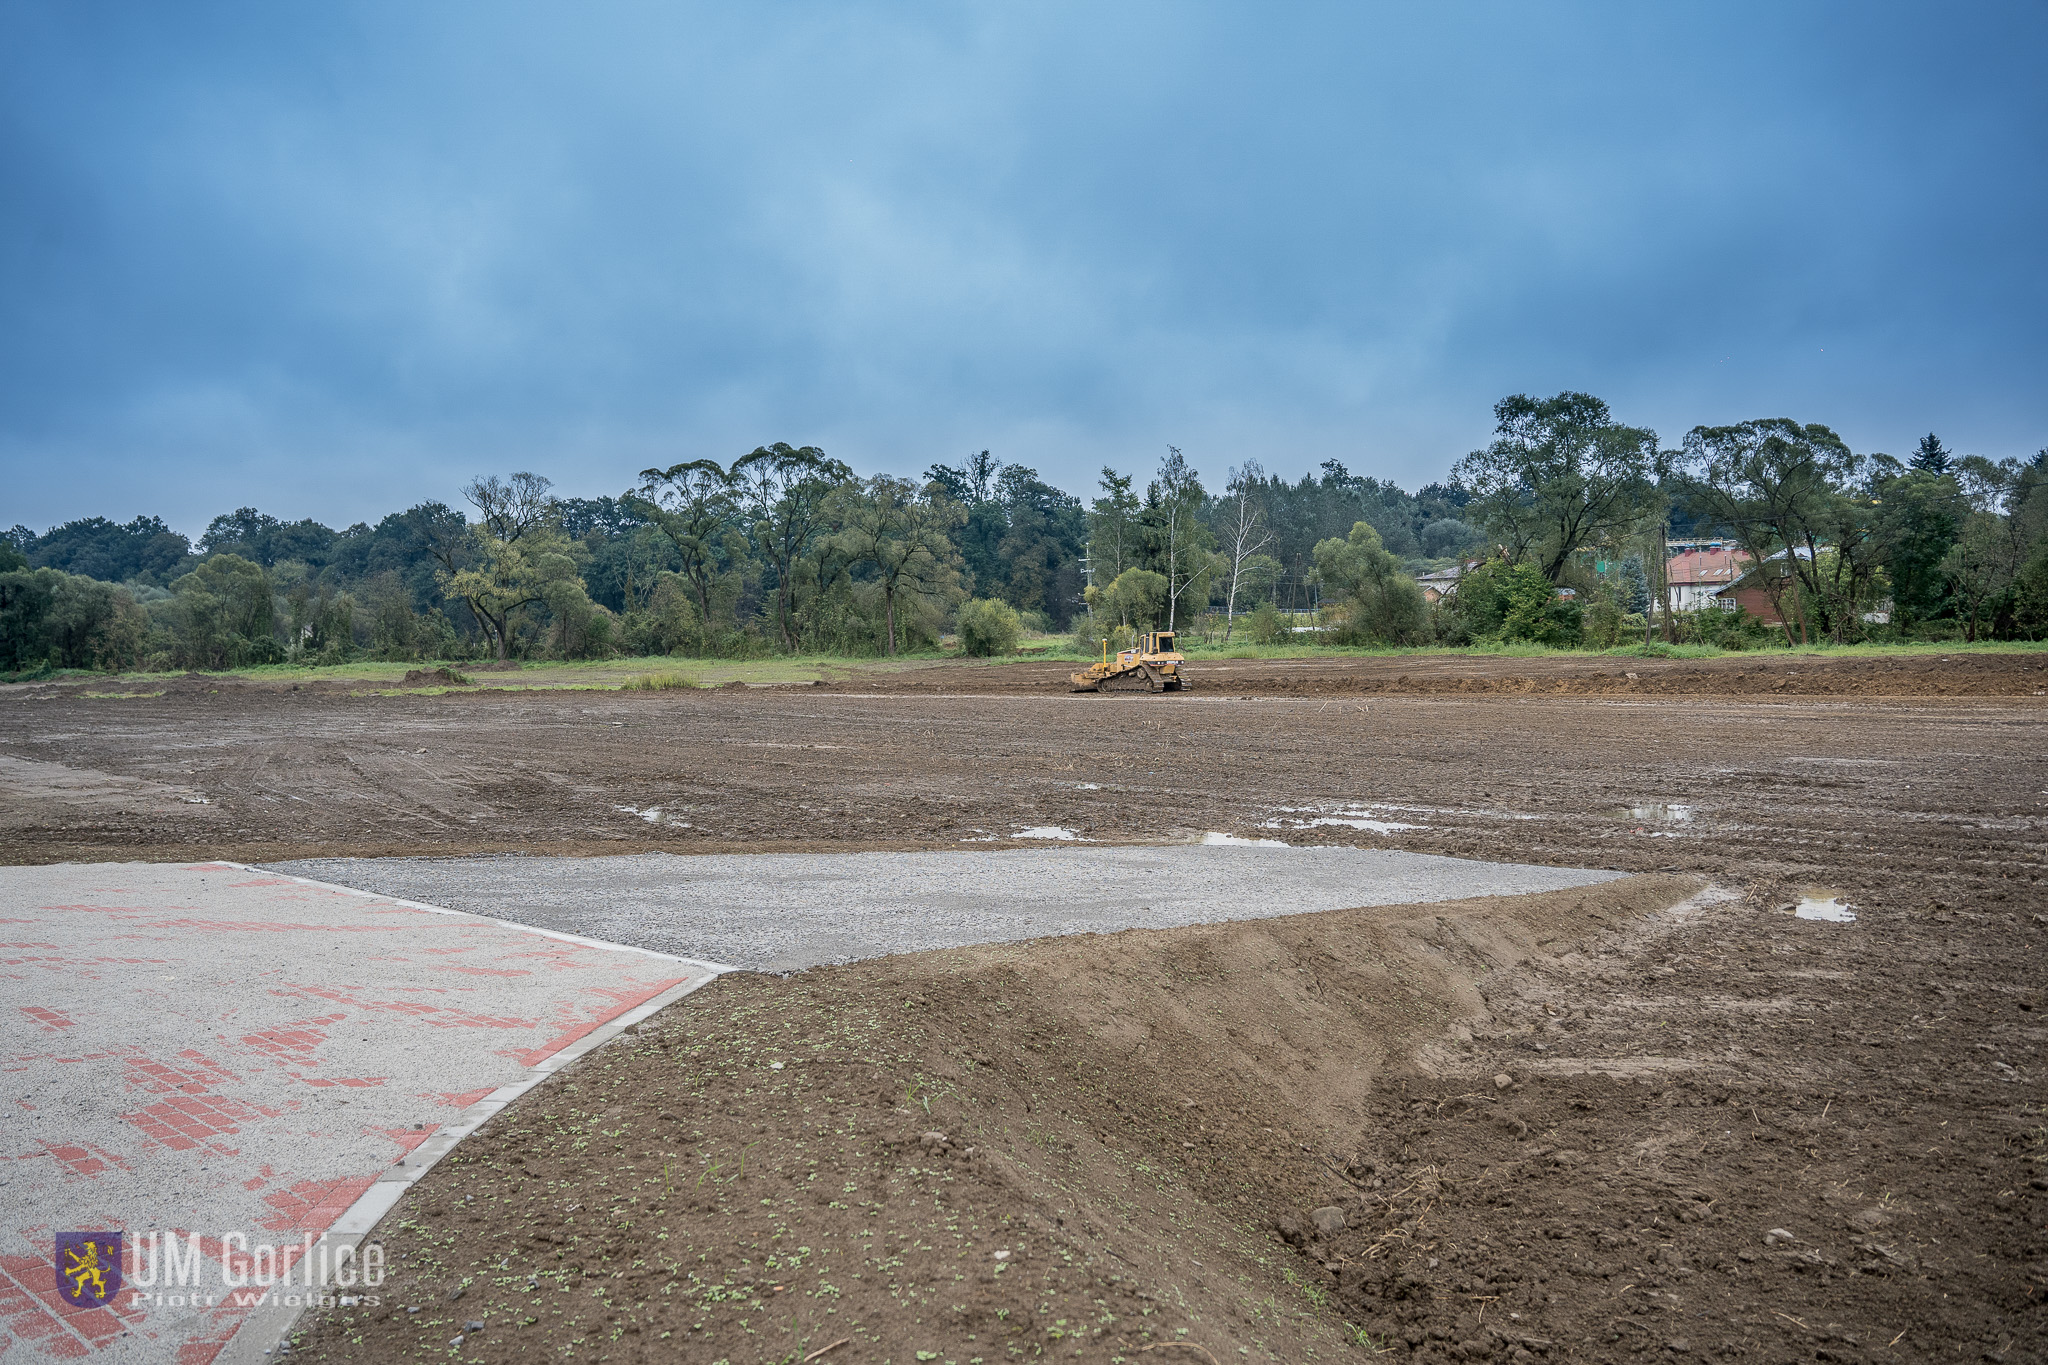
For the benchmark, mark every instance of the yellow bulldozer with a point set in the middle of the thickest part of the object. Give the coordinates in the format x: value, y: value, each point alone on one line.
x: 1152, y: 665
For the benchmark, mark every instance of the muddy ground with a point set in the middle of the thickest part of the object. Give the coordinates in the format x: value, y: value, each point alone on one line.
x: 1770, y: 673
x: 1725, y: 1132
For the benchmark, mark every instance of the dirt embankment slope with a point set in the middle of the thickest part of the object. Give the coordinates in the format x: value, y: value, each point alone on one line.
x: 1074, y: 1143
x: 1568, y: 1127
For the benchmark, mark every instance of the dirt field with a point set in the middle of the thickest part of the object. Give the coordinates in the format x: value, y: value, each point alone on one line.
x: 1776, y: 673
x: 1727, y: 1132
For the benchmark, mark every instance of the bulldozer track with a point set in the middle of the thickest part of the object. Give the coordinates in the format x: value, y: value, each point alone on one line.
x: 1133, y: 681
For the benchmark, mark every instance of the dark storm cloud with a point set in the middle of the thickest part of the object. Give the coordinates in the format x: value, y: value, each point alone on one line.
x: 332, y: 260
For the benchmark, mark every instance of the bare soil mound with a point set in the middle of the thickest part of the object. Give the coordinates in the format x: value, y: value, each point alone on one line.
x: 434, y: 677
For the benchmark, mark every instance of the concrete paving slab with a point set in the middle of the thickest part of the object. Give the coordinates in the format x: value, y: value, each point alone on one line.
x: 243, y: 1058
x: 783, y: 911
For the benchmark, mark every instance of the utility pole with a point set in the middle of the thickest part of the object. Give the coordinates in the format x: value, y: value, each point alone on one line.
x: 1664, y: 584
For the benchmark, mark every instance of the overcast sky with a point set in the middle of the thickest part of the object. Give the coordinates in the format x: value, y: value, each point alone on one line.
x: 333, y: 259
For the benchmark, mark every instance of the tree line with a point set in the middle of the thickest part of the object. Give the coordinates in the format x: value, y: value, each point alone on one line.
x: 1558, y: 526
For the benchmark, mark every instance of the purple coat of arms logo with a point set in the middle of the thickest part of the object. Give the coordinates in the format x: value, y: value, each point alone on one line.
x: 88, y: 1267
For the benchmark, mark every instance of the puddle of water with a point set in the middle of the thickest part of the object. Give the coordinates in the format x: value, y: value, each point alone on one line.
x: 1660, y: 812
x: 1215, y: 840
x: 1349, y: 817
x: 653, y: 816
x: 1360, y: 822
x: 1460, y: 811
x: 1826, y: 905
x: 1091, y: 787
x: 1045, y: 832
x: 1348, y: 822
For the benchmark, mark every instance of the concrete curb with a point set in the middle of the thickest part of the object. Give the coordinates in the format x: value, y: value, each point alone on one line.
x: 262, y: 1335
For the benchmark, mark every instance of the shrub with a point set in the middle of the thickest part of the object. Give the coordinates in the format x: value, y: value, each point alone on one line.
x: 659, y: 682
x: 1735, y: 630
x: 988, y: 628
x: 48, y: 617
x: 580, y: 628
x: 1382, y: 604
x: 1506, y: 601
x: 1536, y: 613
x: 2030, y: 597
x: 668, y: 624
x: 1267, y: 625
x: 1139, y: 597
x: 222, y: 614
x: 1602, y: 624
x: 24, y: 619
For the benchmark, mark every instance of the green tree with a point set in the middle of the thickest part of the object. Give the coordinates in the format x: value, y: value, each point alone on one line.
x: 969, y: 483
x: 1777, y: 487
x: 1560, y: 474
x: 1919, y: 518
x: 1113, y: 539
x: 1632, y: 586
x: 1450, y: 538
x: 510, y: 508
x: 1601, y: 621
x: 1245, y: 534
x: 900, y: 531
x: 1980, y: 567
x: 506, y: 577
x: 2030, y: 596
x: 144, y: 549
x: 789, y: 495
x: 1383, y: 605
x: 1036, y: 558
x: 1931, y: 456
x: 225, y: 614
x: 693, y: 504
x: 578, y: 627
x: 1136, y: 599
x: 25, y: 618
x: 1184, y: 546
x: 67, y: 621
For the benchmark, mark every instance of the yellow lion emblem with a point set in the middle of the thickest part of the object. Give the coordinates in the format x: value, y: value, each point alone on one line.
x: 85, y: 1269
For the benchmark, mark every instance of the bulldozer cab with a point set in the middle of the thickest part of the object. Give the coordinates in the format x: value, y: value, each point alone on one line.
x: 1159, y: 642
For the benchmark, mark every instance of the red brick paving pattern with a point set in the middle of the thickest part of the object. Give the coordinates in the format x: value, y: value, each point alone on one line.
x: 243, y: 1053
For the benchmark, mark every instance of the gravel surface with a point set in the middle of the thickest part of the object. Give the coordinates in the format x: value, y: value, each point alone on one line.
x: 783, y: 911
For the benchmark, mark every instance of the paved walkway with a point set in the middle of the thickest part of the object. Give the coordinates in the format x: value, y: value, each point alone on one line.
x: 782, y: 911
x: 217, y: 1052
